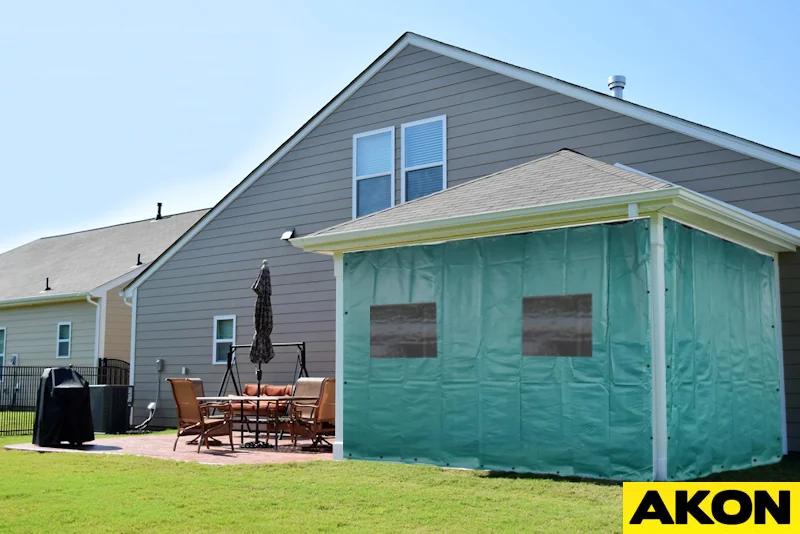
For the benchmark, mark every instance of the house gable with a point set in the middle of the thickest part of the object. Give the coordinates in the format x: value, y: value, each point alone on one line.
x: 416, y: 65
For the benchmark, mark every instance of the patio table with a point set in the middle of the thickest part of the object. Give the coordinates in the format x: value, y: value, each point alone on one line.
x: 241, y: 399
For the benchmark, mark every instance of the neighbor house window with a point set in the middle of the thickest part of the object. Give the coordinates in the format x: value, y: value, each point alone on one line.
x: 2, y: 351
x: 64, y: 340
x: 402, y: 331
x: 224, y: 337
x: 557, y: 325
x: 424, y: 156
x: 373, y: 171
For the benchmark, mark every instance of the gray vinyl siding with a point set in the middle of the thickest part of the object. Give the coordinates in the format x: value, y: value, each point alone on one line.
x: 118, y: 326
x: 31, y: 332
x: 493, y: 122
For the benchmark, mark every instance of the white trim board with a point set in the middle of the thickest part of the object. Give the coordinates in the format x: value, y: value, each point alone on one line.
x: 609, y: 102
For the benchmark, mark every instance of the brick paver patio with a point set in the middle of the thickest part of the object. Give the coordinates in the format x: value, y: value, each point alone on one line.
x: 160, y: 446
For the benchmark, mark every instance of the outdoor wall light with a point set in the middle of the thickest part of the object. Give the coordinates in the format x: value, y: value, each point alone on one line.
x: 287, y: 235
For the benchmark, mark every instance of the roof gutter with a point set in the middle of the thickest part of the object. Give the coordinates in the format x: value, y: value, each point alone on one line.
x: 45, y: 299
x: 574, y: 213
x: 678, y: 203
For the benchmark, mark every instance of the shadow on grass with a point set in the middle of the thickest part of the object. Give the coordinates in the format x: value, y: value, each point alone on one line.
x: 787, y: 470
x: 554, y: 478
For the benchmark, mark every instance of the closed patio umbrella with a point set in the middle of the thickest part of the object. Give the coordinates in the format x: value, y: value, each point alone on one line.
x: 261, y: 351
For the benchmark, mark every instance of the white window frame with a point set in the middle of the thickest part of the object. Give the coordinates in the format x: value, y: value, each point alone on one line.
x: 356, y: 178
x: 68, y: 340
x: 218, y: 318
x: 443, y: 163
x: 3, y: 352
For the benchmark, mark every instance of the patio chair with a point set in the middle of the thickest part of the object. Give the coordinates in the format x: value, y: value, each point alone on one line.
x: 316, y: 420
x: 193, y: 420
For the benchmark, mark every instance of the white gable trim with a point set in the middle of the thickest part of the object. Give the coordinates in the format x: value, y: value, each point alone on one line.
x: 623, y: 107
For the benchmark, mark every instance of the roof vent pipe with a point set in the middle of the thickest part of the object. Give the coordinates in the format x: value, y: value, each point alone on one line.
x: 616, y: 84
x: 47, y: 284
x: 158, y: 214
x: 138, y: 259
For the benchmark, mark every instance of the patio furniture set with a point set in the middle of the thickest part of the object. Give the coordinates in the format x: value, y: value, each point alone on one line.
x: 305, y: 410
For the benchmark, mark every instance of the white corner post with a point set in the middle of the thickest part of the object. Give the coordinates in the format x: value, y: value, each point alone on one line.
x: 338, y: 272
x: 779, y: 347
x: 659, y: 346
x: 97, y: 340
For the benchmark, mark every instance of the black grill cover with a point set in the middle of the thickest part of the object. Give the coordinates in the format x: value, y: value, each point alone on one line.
x: 63, y: 412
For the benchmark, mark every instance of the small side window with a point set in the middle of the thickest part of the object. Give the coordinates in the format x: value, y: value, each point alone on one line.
x: 224, y: 337
x: 2, y: 351
x: 403, y: 331
x: 64, y: 343
x: 557, y: 325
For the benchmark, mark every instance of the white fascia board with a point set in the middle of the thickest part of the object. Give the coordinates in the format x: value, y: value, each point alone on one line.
x: 600, y: 209
x: 697, y: 131
x: 276, y: 156
x: 44, y: 299
x: 736, y: 224
x: 100, y: 291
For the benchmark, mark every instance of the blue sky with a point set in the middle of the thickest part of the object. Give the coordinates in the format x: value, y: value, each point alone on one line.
x: 108, y: 109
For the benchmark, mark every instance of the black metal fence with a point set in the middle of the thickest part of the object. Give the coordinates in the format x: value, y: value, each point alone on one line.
x: 19, y: 386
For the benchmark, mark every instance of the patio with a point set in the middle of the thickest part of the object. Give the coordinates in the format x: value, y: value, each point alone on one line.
x: 160, y: 446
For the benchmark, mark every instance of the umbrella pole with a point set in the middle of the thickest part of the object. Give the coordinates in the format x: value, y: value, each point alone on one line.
x: 258, y: 404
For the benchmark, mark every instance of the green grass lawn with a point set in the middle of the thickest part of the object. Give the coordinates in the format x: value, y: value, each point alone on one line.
x: 103, y: 493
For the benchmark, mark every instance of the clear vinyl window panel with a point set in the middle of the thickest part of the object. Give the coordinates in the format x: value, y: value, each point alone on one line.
x: 224, y: 337
x: 424, y: 150
x: 557, y: 325
x: 403, y: 331
x: 373, y: 172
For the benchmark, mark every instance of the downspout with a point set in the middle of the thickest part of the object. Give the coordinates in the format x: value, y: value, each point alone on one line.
x: 132, y: 358
x: 96, y: 329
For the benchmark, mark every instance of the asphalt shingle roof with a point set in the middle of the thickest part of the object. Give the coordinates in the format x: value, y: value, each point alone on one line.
x: 82, y: 261
x: 560, y: 177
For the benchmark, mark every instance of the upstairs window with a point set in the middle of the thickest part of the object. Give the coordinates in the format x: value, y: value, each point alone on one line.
x: 373, y: 171
x: 224, y: 337
x: 64, y: 340
x: 424, y: 157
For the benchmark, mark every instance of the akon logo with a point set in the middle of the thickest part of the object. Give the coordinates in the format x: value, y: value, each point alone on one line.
x: 752, y: 507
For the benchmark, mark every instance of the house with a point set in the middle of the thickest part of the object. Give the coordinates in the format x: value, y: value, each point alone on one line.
x: 424, y: 116
x: 60, y: 301
x: 562, y: 316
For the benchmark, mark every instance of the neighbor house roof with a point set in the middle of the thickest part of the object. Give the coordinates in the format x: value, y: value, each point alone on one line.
x: 562, y: 189
x: 676, y: 124
x: 81, y: 262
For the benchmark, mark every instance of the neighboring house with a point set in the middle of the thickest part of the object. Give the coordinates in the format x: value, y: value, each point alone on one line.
x: 425, y: 115
x: 60, y: 301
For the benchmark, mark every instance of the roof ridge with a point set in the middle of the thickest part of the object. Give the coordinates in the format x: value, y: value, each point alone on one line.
x: 118, y: 224
x: 615, y: 171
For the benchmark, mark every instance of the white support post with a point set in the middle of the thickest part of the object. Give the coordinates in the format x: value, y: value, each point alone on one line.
x: 659, y: 346
x: 779, y: 345
x: 132, y: 359
x: 338, y: 272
